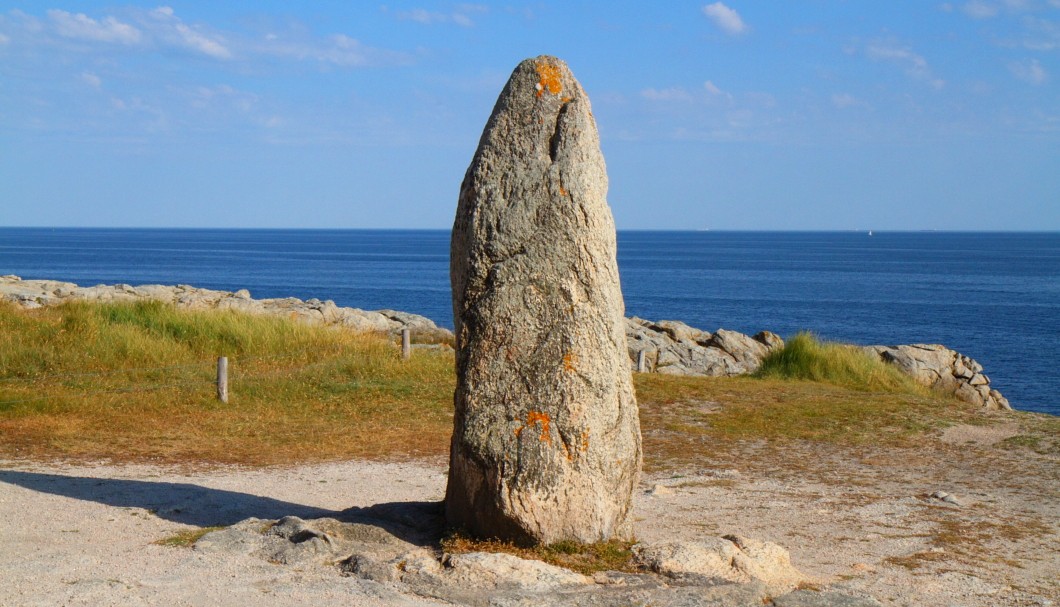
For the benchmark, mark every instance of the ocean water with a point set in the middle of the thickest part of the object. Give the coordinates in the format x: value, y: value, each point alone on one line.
x: 992, y: 296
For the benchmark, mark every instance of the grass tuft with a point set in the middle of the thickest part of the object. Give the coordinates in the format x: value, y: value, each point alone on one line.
x: 185, y: 539
x: 587, y: 559
x: 804, y: 357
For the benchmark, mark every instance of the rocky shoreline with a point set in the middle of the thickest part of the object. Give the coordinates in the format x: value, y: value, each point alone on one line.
x: 665, y: 346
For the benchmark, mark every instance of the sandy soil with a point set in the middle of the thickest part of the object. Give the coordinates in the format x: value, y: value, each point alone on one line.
x: 860, y: 521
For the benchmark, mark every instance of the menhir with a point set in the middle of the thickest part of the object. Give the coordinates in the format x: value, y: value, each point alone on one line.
x: 546, y: 441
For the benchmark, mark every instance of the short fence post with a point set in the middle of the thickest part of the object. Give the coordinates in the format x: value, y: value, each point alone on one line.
x: 641, y: 362
x: 222, y: 379
x: 406, y: 344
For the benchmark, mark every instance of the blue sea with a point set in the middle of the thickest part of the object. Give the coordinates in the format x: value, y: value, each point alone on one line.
x: 992, y: 296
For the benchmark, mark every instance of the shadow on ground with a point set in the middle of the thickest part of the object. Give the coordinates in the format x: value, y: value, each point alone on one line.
x: 205, y: 507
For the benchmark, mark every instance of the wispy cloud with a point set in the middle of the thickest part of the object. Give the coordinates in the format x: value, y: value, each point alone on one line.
x: 1030, y: 72
x: 147, y: 31
x: 1042, y: 34
x: 979, y: 9
x: 91, y: 80
x: 460, y: 16
x: 725, y: 18
x: 844, y: 100
x: 82, y: 27
x: 915, y: 65
x: 172, y: 30
x: 674, y: 93
x: 709, y: 94
x: 337, y: 50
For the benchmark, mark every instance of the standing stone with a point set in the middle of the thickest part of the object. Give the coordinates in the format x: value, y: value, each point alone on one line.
x: 546, y: 439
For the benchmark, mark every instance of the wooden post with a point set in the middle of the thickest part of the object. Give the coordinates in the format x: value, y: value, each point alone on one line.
x: 642, y: 365
x: 406, y: 344
x: 222, y: 379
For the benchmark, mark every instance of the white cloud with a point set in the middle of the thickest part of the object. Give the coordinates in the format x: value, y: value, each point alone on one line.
x: 83, y: 27
x: 202, y: 43
x: 674, y: 93
x: 202, y: 97
x: 420, y: 15
x: 714, y: 93
x: 345, y: 51
x: 844, y: 100
x: 172, y: 30
x: 161, y: 28
x: 1031, y: 72
x: 978, y: 9
x: 725, y: 18
x: 337, y: 50
x: 91, y: 80
x: 461, y: 16
x: 915, y: 65
x: 1042, y: 34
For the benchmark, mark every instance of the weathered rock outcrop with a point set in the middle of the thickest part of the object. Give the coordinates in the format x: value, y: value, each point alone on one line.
x: 546, y: 441
x: 672, y: 347
x: 396, y: 546
x: 669, y: 346
x: 730, y: 558
x: 938, y: 367
x: 37, y: 293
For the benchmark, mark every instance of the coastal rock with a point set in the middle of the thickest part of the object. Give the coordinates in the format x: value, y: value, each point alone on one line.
x: 674, y: 348
x: 670, y: 347
x: 940, y: 368
x: 36, y: 293
x: 546, y: 441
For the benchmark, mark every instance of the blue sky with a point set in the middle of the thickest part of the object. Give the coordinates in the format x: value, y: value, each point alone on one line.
x: 898, y: 115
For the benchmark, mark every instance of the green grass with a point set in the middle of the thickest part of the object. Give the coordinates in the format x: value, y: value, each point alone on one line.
x: 804, y: 357
x: 135, y: 382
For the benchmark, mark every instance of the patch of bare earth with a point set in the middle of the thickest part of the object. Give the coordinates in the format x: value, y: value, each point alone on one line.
x: 954, y: 520
x: 967, y: 515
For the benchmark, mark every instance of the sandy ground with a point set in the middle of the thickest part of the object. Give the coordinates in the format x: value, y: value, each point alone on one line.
x: 862, y: 522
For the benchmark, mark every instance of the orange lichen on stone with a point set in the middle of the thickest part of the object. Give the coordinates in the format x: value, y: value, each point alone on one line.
x: 585, y: 440
x: 549, y: 79
x: 569, y: 360
x: 538, y: 417
x: 563, y: 191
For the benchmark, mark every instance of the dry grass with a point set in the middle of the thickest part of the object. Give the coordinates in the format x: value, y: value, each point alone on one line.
x: 968, y: 542
x: 687, y: 417
x: 186, y: 539
x: 134, y: 382
x: 586, y: 559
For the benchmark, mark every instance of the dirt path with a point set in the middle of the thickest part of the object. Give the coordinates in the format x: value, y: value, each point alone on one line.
x: 861, y: 521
